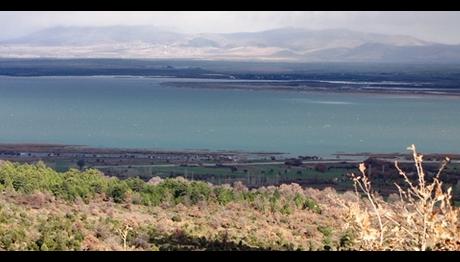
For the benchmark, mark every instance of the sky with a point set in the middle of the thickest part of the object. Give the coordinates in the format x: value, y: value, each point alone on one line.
x: 439, y: 27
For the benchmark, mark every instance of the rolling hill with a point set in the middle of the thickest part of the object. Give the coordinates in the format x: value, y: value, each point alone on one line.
x: 283, y: 44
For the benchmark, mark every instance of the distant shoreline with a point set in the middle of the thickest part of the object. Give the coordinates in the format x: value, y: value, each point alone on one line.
x: 82, y: 149
x: 317, y: 87
x: 41, y: 147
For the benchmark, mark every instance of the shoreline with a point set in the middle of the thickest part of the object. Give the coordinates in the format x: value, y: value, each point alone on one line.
x: 56, y: 150
x: 40, y: 147
x: 300, y: 85
x: 33, y: 152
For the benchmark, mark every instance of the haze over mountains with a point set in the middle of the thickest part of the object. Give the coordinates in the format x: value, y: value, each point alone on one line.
x: 283, y: 44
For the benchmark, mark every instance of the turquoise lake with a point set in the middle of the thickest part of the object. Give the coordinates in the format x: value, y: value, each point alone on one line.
x: 139, y: 113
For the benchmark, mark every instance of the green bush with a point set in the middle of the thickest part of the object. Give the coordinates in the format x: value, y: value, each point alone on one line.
x: 299, y: 200
x: 312, y: 205
x: 199, y: 191
x: 303, y: 202
x: 250, y: 196
x: 57, y: 233
x: 346, y: 240
x: 178, y: 189
x: 152, y: 195
x: 69, y: 185
x: 327, y: 234
x: 11, y: 237
x: 185, y: 192
x: 135, y: 184
x: 117, y: 191
x: 286, y: 209
x: 224, y: 195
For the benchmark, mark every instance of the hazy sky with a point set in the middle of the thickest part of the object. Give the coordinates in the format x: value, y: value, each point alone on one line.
x: 432, y: 26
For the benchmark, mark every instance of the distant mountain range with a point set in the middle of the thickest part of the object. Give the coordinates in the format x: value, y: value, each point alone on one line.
x: 284, y: 44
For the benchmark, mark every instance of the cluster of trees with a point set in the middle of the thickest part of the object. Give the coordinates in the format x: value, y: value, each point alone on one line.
x: 90, y: 183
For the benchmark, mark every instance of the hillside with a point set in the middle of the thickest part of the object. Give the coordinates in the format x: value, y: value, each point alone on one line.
x: 45, y: 210
x: 282, y: 44
x: 41, y: 209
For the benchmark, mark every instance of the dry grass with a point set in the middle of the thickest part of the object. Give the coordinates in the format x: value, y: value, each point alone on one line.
x: 423, y: 218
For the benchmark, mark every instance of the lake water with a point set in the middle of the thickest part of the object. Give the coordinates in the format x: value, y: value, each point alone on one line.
x: 138, y: 113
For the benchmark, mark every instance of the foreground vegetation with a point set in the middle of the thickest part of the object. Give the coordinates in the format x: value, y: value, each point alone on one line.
x: 422, y: 218
x: 41, y: 209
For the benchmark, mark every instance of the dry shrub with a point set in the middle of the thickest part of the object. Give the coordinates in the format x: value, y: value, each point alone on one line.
x: 424, y: 218
x: 291, y: 189
x: 35, y: 200
x: 92, y: 243
x: 155, y: 180
x: 238, y: 186
x: 124, y: 230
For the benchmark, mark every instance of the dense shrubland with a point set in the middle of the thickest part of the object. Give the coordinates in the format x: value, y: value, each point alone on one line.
x: 41, y: 209
x: 90, y: 184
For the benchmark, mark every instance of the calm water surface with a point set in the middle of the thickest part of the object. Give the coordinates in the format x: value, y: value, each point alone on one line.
x: 139, y: 113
